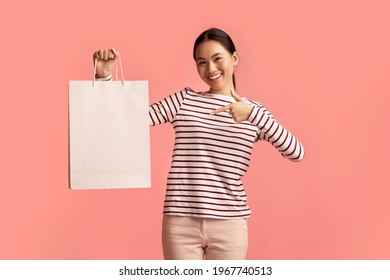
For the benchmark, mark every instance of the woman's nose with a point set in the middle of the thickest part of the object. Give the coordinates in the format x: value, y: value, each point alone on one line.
x: 211, y: 67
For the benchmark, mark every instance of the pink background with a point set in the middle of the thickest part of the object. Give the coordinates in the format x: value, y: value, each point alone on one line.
x: 321, y: 67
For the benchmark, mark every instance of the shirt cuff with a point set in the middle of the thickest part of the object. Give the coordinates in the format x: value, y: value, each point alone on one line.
x: 107, y: 78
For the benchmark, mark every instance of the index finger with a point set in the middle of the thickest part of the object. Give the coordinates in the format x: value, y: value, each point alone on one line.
x: 221, y: 109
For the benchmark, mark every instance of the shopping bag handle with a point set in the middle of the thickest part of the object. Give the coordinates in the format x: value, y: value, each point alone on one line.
x: 116, y: 70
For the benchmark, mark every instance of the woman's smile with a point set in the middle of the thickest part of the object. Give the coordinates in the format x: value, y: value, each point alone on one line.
x: 215, y: 77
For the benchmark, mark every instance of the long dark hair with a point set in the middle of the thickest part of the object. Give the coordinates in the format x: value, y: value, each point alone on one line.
x: 220, y: 36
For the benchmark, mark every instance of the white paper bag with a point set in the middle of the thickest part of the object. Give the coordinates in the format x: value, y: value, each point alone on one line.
x: 109, y: 134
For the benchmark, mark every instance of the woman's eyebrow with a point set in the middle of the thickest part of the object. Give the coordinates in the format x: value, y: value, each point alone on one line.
x: 211, y: 56
x: 215, y: 54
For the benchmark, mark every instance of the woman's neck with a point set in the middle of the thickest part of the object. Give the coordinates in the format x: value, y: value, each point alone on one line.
x: 225, y: 91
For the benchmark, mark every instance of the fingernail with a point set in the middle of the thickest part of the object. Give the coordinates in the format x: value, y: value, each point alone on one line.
x: 212, y: 113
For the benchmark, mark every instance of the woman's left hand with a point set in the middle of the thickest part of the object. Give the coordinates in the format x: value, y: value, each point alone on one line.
x: 239, y: 110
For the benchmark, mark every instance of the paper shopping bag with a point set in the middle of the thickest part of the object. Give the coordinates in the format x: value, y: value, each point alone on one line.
x: 109, y: 135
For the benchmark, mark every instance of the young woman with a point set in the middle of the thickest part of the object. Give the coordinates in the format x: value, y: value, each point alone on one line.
x: 205, y: 210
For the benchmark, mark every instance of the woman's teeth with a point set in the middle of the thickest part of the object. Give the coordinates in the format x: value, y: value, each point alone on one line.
x: 215, y: 76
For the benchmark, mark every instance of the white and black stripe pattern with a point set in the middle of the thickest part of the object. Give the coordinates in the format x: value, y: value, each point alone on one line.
x: 212, y: 153
x: 165, y: 110
x: 271, y: 131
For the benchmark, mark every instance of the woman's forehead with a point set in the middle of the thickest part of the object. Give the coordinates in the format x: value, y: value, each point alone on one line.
x: 209, y: 48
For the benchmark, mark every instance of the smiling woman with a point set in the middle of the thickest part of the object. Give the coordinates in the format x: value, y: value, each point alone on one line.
x: 216, y: 56
x: 205, y: 209
x: 216, y: 66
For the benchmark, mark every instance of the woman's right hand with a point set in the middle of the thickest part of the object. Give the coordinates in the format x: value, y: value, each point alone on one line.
x: 106, y: 60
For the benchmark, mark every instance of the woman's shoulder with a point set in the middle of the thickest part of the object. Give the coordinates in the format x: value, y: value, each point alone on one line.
x: 183, y: 93
x: 190, y: 90
x: 252, y: 102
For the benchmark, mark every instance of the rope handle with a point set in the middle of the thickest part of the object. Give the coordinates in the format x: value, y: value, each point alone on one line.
x: 116, y: 69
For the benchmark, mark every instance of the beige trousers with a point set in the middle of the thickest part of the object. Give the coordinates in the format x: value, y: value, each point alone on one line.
x: 192, y: 238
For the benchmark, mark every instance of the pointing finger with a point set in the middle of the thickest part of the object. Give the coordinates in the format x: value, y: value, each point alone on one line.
x: 235, y: 95
x: 221, y: 109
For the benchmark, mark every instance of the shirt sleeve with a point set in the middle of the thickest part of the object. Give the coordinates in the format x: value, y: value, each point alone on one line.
x: 273, y: 132
x: 165, y: 110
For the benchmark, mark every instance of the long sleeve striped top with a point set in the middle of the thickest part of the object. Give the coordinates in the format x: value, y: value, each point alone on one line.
x: 212, y: 153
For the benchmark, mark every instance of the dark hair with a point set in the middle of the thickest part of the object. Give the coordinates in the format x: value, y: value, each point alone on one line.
x: 217, y: 35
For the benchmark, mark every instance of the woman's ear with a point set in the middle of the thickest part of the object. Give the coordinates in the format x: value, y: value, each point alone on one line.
x: 235, y: 58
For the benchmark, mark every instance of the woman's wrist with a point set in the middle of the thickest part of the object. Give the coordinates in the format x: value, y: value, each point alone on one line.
x: 103, y: 78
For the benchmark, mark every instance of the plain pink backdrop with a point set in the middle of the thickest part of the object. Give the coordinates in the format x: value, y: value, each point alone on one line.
x: 321, y: 67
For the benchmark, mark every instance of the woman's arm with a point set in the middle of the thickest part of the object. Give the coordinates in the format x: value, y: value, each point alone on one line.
x: 269, y: 129
x: 273, y: 132
x: 166, y: 109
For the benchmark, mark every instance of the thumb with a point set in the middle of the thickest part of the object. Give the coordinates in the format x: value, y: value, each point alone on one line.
x: 235, y: 95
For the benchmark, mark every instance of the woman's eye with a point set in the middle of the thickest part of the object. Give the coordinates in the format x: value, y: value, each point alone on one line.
x: 201, y: 62
x: 218, y: 58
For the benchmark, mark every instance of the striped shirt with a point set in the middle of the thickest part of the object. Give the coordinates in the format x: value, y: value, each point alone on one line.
x: 212, y: 153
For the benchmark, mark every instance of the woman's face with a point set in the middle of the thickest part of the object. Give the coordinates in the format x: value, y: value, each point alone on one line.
x: 216, y: 66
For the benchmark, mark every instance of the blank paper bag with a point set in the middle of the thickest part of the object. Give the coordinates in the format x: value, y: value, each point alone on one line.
x: 109, y: 134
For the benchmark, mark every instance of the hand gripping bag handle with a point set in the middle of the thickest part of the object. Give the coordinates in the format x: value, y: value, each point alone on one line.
x: 116, y: 70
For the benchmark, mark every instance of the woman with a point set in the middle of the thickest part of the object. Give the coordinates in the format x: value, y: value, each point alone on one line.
x: 205, y: 210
